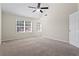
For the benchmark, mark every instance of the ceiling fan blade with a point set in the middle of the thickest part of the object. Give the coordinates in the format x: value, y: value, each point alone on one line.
x: 31, y: 7
x: 38, y: 6
x: 44, y: 7
x: 34, y: 10
x: 41, y: 11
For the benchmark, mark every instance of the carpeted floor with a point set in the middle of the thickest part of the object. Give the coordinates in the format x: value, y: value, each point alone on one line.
x: 38, y: 47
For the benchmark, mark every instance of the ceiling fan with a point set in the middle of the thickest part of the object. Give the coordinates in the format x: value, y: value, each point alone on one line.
x: 38, y: 8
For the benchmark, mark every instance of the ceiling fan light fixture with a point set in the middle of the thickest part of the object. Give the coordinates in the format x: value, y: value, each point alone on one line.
x: 38, y: 10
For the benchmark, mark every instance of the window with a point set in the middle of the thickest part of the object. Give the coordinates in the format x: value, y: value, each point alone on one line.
x: 39, y: 27
x: 28, y: 26
x: 24, y: 26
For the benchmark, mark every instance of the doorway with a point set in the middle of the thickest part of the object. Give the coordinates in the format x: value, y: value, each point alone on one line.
x: 74, y: 29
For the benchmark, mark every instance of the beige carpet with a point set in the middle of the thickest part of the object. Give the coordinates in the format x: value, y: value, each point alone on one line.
x: 37, y: 47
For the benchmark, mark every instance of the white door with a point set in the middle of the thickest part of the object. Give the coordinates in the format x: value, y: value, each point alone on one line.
x: 74, y: 29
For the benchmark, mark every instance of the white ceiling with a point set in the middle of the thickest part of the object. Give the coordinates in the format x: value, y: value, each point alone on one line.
x: 22, y: 9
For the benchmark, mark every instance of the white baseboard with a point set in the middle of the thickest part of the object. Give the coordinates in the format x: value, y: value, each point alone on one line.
x: 43, y: 36
x: 16, y: 38
x: 54, y: 38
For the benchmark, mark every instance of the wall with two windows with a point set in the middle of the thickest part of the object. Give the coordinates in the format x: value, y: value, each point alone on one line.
x: 18, y: 27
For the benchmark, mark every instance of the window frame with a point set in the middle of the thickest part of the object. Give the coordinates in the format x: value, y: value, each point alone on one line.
x: 23, y: 26
x: 39, y: 27
x: 27, y: 26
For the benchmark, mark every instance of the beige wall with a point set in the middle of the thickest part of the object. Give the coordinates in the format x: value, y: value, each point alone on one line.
x: 56, y: 23
x: 0, y: 23
x: 9, y: 27
x: 78, y: 6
